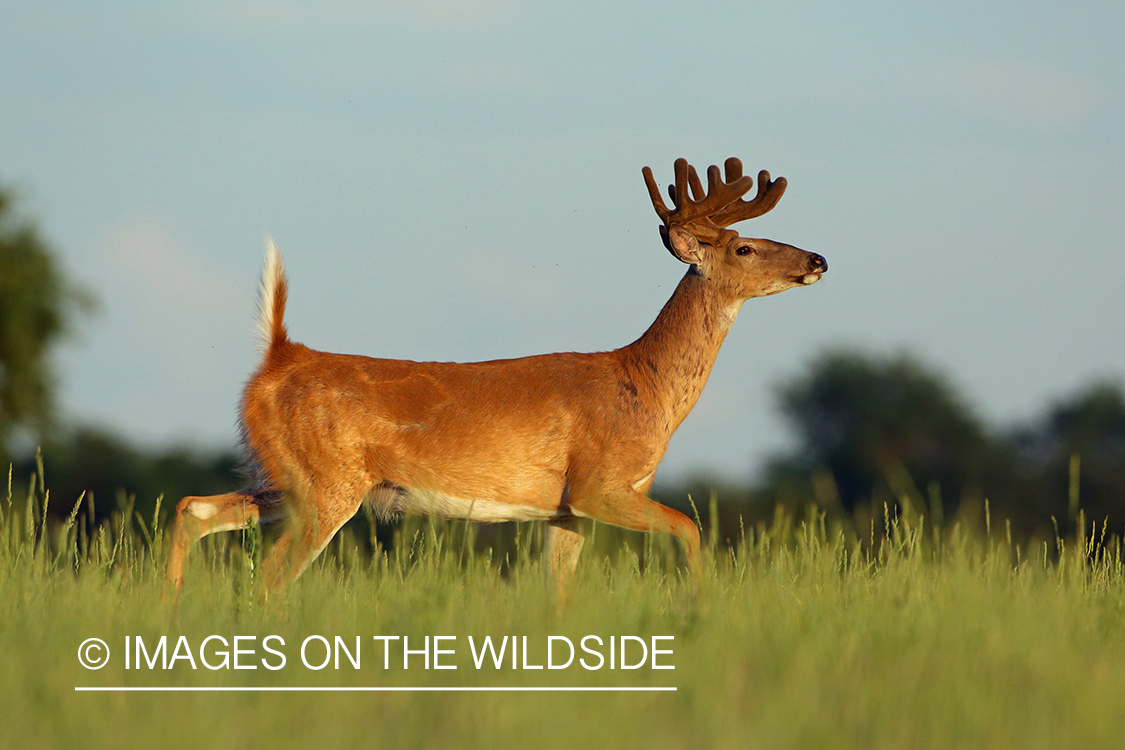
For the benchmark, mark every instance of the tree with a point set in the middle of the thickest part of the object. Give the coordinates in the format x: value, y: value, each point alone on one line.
x: 876, y: 423
x: 37, y: 307
x: 1080, y: 438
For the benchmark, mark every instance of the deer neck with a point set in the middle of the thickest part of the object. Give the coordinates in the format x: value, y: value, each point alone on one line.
x: 674, y: 357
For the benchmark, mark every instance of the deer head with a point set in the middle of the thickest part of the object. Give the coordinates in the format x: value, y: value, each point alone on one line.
x: 695, y: 230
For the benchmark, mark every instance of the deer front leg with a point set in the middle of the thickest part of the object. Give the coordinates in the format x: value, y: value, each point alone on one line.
x: 631, y: 509
x: 565, y: 538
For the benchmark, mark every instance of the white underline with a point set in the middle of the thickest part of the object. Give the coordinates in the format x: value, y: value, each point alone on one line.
x: 370, y: 689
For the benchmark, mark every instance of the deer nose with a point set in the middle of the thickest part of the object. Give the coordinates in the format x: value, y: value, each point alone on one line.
x: 818, y: 263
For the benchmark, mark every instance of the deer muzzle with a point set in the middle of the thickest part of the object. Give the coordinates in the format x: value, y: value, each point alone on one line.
x: 815, y: 267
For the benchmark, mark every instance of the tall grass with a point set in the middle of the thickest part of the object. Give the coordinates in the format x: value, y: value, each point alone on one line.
x: 806, y: 632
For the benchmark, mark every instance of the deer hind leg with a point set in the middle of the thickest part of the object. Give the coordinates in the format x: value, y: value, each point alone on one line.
x: 633, y: 510
x: 565, y: 538
x: 312, y: 523
x: 197, y: 517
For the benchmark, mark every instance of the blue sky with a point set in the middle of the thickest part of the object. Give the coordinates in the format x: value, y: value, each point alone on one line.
x: 461, y: 181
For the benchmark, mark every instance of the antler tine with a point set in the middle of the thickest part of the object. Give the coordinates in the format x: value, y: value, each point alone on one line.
x: 654, y: 193
x: 696, y: 186
x: 681, y: 170
x: 733, y: 167
x: 715, y: 184
x: 769, y: 193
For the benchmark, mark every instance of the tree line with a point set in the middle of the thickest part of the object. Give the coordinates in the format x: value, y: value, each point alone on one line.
x: 876, y: 431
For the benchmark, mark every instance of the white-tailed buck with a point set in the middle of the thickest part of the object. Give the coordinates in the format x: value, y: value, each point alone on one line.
x: 558, y: 437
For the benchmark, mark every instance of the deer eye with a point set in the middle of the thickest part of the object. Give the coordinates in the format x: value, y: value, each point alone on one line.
x: 744, y: 250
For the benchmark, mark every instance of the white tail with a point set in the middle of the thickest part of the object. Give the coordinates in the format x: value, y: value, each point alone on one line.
x: 559, y: 437
x: 271, y: 302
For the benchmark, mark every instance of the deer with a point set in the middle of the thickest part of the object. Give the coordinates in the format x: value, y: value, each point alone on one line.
x: 567, y: 438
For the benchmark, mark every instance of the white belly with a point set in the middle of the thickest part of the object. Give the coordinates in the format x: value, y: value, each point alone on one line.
x: 425, y: 503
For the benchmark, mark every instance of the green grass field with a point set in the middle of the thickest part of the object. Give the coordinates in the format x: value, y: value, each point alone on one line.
x: 805, y: 634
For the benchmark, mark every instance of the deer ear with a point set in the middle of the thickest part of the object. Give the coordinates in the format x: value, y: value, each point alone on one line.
x: 683, y: 244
